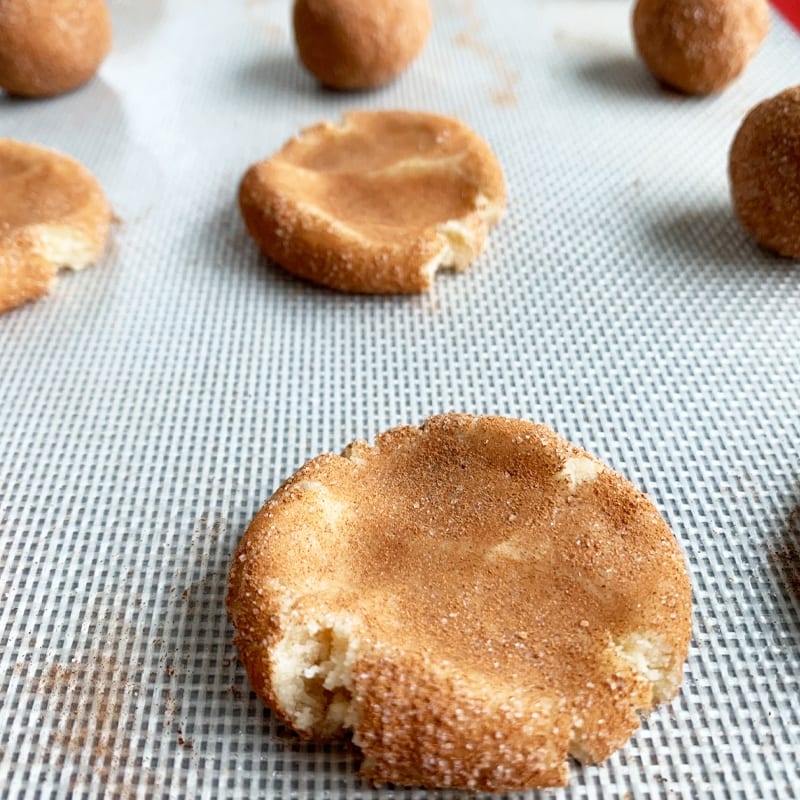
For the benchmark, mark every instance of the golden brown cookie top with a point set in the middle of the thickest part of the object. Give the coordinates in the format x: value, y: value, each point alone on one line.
x: 40, y: 186
x: 377, y: 204
x: 489, y: 563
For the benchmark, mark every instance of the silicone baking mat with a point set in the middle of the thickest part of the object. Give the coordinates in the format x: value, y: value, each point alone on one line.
x: 149, y: 406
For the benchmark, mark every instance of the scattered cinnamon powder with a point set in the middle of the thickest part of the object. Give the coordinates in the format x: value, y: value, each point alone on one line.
x: 99, y: 693
x: 505, y: 93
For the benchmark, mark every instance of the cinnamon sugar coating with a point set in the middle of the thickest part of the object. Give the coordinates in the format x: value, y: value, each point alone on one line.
x: 699, y: 46
x: 25, y: 274
x: 352, y: 44
x: 48, y: 47
x: 475, y: 599
x: 377, y: 204
x: 53, y: 214
x: 764, y: 171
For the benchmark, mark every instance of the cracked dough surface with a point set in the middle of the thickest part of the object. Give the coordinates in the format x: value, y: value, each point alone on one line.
x: 377, y: 204
x: 475, y: 599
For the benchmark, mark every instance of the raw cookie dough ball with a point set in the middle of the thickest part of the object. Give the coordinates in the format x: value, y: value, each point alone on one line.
x: 377, y: 204
x: 353, y: 44
x: 764, y: 173
x: 699, y: 46
x: 49, y: 47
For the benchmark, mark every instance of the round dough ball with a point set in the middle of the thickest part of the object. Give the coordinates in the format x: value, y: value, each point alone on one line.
x: 699, y: 46
x: 350, y: 44
x: 764, y: 171
x: 49, y: 47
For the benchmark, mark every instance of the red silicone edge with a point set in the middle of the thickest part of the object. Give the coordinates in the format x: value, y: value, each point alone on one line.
x: 790, y: 9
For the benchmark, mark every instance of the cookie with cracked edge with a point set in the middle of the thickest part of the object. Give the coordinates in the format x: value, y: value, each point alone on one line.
x: 53, y: 215
x: 377, y: 204
x: 473, y: 601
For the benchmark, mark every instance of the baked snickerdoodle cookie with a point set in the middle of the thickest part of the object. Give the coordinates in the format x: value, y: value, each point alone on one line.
x: 53, y: 215
x: 378, y: 204
x: 473, y: 601
x: 49, y: 47
x: 764, y: 170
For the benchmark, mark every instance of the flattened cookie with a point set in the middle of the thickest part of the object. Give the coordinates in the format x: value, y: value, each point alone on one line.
x: 474, y: 601
x: 48, y: 47
x: 53, y: 214
x: 378, y: 204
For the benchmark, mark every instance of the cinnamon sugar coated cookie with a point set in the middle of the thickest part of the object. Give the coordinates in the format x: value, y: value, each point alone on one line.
x: 764, y: 170
x: 699, y: 46
x: 352, y: 44
x: 53, y: 214
x: 377, y: 204
x: 473, y: 601
x: 48, y: 47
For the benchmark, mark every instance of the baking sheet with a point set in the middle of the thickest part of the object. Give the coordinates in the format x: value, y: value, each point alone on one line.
x: 149, y: 406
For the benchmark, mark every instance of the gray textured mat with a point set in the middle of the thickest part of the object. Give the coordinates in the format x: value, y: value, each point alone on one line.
x: 148, y: 407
